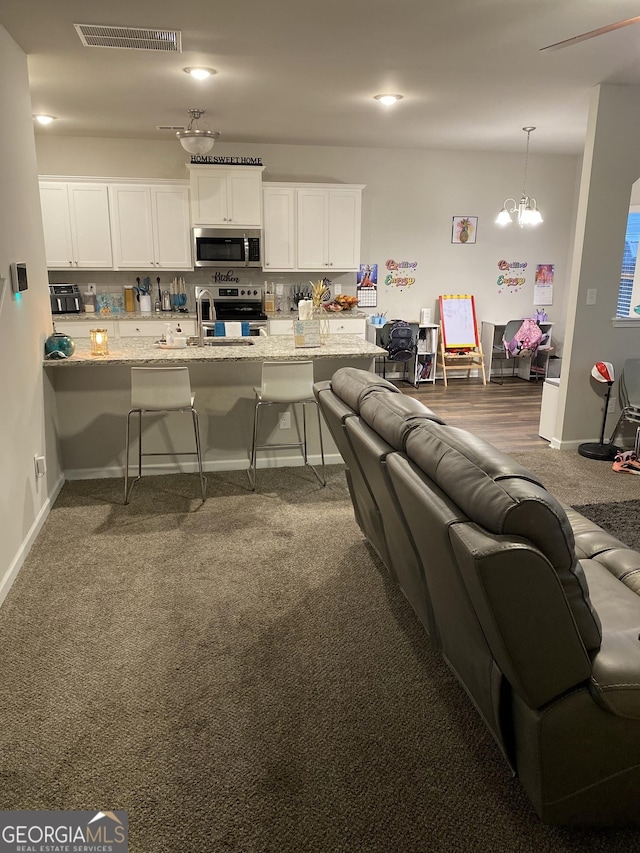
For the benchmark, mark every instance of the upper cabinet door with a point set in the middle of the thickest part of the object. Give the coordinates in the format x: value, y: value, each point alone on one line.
x: 279, y: 228
x: 329, y: 222
x: 150, y: 225
x: 344, y: 228
x: 244, y: 199
x: 227, y: 197
x: 56, y: 224
x: 313, y: 212
x: 75, y: 220
x: 132, y: 227
x: 90, y: 228
x: 209, y: 199
x: 172, y: 233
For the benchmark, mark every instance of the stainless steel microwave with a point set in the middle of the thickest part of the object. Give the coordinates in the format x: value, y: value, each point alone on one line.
x: 226, y: 247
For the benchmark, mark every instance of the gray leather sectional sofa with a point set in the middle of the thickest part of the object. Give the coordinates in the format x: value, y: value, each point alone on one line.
x: 535, y: 608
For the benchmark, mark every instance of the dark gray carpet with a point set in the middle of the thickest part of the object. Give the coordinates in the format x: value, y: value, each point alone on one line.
x: 622, y: 519
x: 242, y: 677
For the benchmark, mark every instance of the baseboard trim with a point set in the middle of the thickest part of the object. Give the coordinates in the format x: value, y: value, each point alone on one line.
x: 574, y: 444
x: 12, y: 572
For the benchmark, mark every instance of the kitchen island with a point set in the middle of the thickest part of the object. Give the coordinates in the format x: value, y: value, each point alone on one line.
x: 89, y: 397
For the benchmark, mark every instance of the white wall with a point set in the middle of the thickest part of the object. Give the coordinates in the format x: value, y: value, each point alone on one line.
x: 611, y: 167
x: 24, y: 325
x: 408, y: 205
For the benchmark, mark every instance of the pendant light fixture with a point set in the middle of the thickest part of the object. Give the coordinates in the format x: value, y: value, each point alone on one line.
x: 526, y: 208
x: 197, y: 141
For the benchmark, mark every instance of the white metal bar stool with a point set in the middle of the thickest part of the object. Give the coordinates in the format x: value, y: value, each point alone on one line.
x: 158, y: 390
x: 285, y: 382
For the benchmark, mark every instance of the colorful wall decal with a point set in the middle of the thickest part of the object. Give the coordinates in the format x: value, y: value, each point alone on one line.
x: 401, y: 273
x: 512, y: 276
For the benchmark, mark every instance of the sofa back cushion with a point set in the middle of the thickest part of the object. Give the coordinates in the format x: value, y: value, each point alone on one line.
x: 336, y: 413
x: 393, y: 416
x: 353, y: 385
x: 504, y: 498
x: 404, y: 564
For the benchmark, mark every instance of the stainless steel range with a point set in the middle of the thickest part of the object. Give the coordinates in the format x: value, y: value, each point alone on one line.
x: 237, y: 303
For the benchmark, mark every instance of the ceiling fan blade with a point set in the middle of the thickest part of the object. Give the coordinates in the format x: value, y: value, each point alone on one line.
x: 592, y: 33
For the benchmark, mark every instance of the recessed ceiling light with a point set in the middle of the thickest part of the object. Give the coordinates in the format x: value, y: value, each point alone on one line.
x: 42, y: 119
x: 387, y: 100
x: 199, y: 72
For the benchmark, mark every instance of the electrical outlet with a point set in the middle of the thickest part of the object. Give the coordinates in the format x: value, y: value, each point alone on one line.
x: 611, y: 408
x: 592, y: 295
x: 285, y: 420
x: 40, y: 466
x: 91, y: 288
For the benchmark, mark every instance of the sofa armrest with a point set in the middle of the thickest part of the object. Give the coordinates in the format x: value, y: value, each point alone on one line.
x: 615, y: 675
x: 521, y: 606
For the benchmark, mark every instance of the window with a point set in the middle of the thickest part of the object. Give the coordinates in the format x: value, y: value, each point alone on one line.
x: 626, y: 298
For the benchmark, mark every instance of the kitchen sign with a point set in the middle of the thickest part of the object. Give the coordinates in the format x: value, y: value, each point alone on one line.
x: 225, y: 276
x: 208, y: 160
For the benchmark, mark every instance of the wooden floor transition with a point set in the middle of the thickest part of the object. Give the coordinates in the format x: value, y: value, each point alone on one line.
x: 506, y: 415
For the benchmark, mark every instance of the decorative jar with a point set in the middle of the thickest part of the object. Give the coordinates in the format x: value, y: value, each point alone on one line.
x: 59, y: 345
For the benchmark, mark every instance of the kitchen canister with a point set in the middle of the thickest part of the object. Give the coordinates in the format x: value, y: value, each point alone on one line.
x: 129, y: 300
x: 145, y: 303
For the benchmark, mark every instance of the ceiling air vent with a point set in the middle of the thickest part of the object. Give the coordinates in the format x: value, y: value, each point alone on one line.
x: 133, y: 38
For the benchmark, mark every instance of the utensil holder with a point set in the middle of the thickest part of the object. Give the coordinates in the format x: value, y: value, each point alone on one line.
x: 145, y: 303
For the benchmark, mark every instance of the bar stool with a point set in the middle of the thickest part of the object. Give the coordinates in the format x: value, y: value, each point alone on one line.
x: 285, y: 382
x: 160, y: 390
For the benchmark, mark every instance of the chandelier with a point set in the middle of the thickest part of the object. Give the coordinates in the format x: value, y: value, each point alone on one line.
x: 197, y: 141
x: 526, y: 208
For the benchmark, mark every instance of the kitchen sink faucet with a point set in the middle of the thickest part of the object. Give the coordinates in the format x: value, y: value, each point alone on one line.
x: 202, y: 292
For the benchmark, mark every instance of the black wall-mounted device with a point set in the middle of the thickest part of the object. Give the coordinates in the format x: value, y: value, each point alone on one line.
x: 19, y: 277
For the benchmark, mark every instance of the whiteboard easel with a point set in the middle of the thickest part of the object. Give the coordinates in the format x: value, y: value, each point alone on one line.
x: 458, y: 322
x: 459, y: 344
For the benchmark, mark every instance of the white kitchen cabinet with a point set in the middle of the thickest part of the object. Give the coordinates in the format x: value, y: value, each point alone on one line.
x: 226, y: 197
x: 328, y: 222
x: 312, y: 226
x: 348, y: 326
x: 337, y: 326
x: 81, y: 328
x: 155, y: 328
x: 75, y: 219
x: 150, y: 226
x: 279, y: 210
x: 282, y: 327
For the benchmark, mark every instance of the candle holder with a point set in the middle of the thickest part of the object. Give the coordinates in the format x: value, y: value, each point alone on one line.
x: 99, y: 342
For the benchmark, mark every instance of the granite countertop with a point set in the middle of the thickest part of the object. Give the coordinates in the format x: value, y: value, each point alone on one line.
x: 138, y: 351
x: 169, y: 316
x: 96, y: 316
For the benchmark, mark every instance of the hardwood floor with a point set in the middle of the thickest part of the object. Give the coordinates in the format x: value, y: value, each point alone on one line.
x: 506, y: 415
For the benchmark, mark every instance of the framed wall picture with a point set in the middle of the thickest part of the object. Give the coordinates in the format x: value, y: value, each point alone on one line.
x: 464, y: 229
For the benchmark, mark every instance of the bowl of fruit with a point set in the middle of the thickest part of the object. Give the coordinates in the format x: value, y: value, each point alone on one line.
x: 342, y: 302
